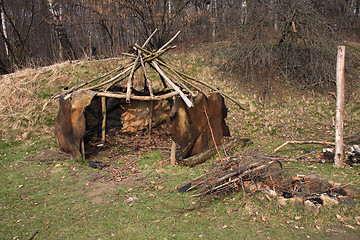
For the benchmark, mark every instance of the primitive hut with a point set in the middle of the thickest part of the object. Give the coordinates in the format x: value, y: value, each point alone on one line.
x: 197, y: 109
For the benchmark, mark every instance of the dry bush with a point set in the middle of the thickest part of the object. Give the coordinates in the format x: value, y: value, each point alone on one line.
x: 293, y: 40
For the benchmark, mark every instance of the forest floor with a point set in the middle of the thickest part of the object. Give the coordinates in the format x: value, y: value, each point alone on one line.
x: 130, y: 192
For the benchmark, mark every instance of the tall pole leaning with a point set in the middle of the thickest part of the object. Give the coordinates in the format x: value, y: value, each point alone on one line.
x: 340, y: 103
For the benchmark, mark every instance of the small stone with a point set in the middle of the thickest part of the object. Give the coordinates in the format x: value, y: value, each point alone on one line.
x: 250, y: 186
x: 283, y: 201
x: 328, y: 201
x: 131, y: 200
x: 296, y: 201
x: 352, y: 192
x: 311, y: 208
x: 350, y: 226
x: 271, y: 193
x: 347, y: 201
x: 260, y: 196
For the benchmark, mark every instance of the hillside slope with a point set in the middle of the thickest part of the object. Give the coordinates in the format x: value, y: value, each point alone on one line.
x: 275, y: 113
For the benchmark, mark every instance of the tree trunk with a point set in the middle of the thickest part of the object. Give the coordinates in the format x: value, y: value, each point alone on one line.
x: 65, y: 44
x: 3, y: 24
x: 339, y: 125
x: 169, y: 9
x: 213, y: 19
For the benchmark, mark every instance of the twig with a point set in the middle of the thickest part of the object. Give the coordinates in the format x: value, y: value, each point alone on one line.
x: 32, y: 237
x: 129, y: 83
x: 212, y: 133
x: 128, y: 68
x: 302, y: 142
x: 243, y: 174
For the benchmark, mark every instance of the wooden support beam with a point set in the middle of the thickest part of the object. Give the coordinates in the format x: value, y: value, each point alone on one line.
x: 129, y: 83
x: 176, y: 88
x: 103, y: 125
x: 141, y: 98
x: 206, y: 85
x: 135, y: 66
x: 151, y: 116
x: 147, y: 79
x: 173, y: 154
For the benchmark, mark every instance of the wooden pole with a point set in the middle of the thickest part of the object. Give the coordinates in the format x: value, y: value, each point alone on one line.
x: 176, y: 88
x: 103, y: 125
x: 340, y: 102
x: 173, y: 154
x: 129, y: 83
x: 150, y: 117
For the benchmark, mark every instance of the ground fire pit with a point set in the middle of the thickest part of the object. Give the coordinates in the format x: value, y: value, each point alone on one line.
x: 264, y: 176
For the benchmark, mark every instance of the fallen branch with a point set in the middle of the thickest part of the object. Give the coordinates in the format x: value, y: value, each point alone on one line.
x: 212, y: 134
x: 32, y: 237
x: 303, y: 142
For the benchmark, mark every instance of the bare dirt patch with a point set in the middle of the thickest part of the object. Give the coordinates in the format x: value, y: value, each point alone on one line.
x: 118, y: 159
x: 341, y: 233
x: 99, y: 192
x: 47, y: 155
x: 119, y: 155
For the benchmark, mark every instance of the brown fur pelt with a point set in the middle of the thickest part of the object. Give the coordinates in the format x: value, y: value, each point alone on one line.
x: 190, y: 127
x: 70, y: 122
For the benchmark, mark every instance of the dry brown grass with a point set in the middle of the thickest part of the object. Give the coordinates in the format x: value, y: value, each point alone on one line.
x: 26, y: 109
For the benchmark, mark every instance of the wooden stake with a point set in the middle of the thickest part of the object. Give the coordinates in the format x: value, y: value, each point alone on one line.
x: 173, y: 154
x: 151, y: 117
x: 340, y: 102
x: 103, y: 126
x: 179, y: 82
x: 82, y: 143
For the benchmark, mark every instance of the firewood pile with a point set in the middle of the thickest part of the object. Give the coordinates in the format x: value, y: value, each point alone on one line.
x: 264, y: 177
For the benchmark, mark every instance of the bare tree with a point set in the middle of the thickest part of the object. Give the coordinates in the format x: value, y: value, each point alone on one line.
x: 300, y: 47
x: 155, y: 14
x: 56, y: 13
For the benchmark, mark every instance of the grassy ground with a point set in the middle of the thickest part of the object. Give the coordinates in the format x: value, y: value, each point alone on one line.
x: 51, y: 197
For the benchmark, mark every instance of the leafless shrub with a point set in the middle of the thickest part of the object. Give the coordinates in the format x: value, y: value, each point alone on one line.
x: 296, y: 40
